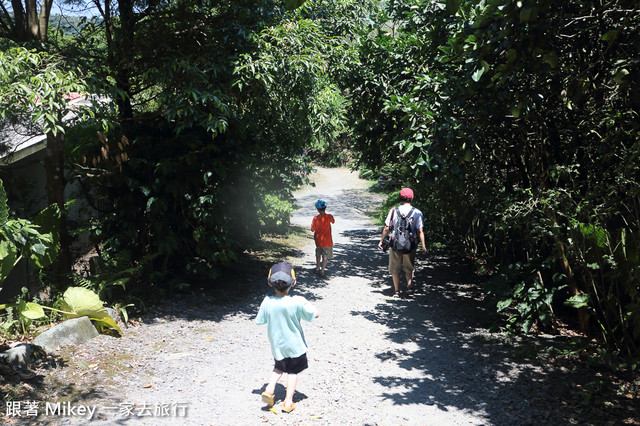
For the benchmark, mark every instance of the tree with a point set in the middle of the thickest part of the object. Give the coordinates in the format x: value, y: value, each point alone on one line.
x: 212, y: 118
x: 35, y: 87
x: 25, y: 22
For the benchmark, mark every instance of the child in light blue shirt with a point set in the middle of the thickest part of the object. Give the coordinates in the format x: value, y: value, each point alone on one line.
x: 282, y: 314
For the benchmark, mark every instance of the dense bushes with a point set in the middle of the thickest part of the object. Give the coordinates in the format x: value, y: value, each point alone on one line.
x: 520, y: 120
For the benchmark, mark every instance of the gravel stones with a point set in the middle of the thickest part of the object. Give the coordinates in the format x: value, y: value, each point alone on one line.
x: 423, y: 360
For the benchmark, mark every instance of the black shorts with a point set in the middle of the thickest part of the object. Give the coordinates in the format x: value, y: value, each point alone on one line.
x: 292, y: 365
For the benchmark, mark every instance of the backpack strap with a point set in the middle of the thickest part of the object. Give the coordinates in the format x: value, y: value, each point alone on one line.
x: 398, y: 214
x: 393, y: 210
x: 409, y: 219
x: 410, y: 214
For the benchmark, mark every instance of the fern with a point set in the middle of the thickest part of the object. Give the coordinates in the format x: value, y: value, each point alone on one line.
x: 80, y: 281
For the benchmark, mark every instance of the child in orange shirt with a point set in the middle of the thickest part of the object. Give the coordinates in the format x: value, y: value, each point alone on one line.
x: 321, y: 225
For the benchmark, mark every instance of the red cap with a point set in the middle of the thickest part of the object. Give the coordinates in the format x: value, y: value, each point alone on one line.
x: 406, y: 194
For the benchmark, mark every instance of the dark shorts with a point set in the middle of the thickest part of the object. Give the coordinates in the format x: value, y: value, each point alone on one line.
x: 292, y: 365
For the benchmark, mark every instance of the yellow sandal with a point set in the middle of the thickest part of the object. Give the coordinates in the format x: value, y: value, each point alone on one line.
x: 267, y: 398
x: 288, y: 410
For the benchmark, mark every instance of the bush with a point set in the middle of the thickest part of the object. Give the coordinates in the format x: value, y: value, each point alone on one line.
x: 275, y: 215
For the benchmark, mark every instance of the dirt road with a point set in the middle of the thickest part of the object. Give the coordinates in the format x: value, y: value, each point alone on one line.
x: 202, y: 360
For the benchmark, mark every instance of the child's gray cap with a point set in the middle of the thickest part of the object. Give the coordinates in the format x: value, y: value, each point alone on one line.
x: 282, y: 271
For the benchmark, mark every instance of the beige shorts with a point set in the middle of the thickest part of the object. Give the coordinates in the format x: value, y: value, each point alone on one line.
x: 399, y: 262
x: 325, y: 251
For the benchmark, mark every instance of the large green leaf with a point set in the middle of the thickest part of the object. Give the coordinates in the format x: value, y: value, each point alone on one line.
x: 33, y: 311
x: 578, y: 301
x: 504, y: 304
x: 80, y: 302
x: 106, y: 325
x: 598, y: 234
x: 84, y: 302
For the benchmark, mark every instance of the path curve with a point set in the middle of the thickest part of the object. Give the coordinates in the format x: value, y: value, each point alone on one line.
x: 372, y: 360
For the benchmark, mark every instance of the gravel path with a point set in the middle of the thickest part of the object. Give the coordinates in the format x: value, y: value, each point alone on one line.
x: 372, y: 360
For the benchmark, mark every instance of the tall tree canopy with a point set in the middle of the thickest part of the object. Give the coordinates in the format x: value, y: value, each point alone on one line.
x: 216, y: 104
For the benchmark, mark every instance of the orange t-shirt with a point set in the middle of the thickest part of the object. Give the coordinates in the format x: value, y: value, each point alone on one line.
x: 321, y: 225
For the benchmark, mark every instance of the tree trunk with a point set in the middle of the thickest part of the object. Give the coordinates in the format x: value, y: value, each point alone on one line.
x: 20, y: 21
x: 33, y: 27
x: 28, y: 25
x: 54, y: 167
x: 123, y: 57
x: 43, y: 24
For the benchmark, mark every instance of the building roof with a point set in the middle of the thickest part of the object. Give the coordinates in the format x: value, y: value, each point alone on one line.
x: 21, y: 141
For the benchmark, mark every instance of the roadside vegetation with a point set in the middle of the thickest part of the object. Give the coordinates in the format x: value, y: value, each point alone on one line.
x: 515, y: 122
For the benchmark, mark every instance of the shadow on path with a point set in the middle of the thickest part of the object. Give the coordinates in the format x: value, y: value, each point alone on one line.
x: 438, y: 355
x: 440, y: 336
x: 437, y: 337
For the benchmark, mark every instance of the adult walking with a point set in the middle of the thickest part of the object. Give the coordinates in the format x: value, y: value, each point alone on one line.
x: 405, y: 222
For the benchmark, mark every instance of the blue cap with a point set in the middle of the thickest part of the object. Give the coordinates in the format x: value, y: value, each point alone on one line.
x: 321, y: 204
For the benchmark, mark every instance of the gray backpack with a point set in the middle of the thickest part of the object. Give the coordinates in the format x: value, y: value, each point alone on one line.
x: 401, y: 233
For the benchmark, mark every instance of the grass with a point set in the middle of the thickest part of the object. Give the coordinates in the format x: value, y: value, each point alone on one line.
x: 273, y: 248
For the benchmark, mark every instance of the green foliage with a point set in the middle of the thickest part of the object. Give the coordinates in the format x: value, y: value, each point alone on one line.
x: 274, y: 217
x: 38, y: 241
x: 516, y: 123
x: 111, y: 275
x: 520, y: 122
x: 390, y: 202
x: 520, y: 292
x: 18, y: 316
x: 35, y: 85
x: 228, y: 115
x: 75, y: 302
x: 45, y: 250
x: 35, y: 240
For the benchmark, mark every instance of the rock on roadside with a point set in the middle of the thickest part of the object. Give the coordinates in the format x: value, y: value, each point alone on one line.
x: 20, y: 355
x: 73, y: 331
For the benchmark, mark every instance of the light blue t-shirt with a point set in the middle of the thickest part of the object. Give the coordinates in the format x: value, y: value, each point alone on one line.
x: 282, y: 316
